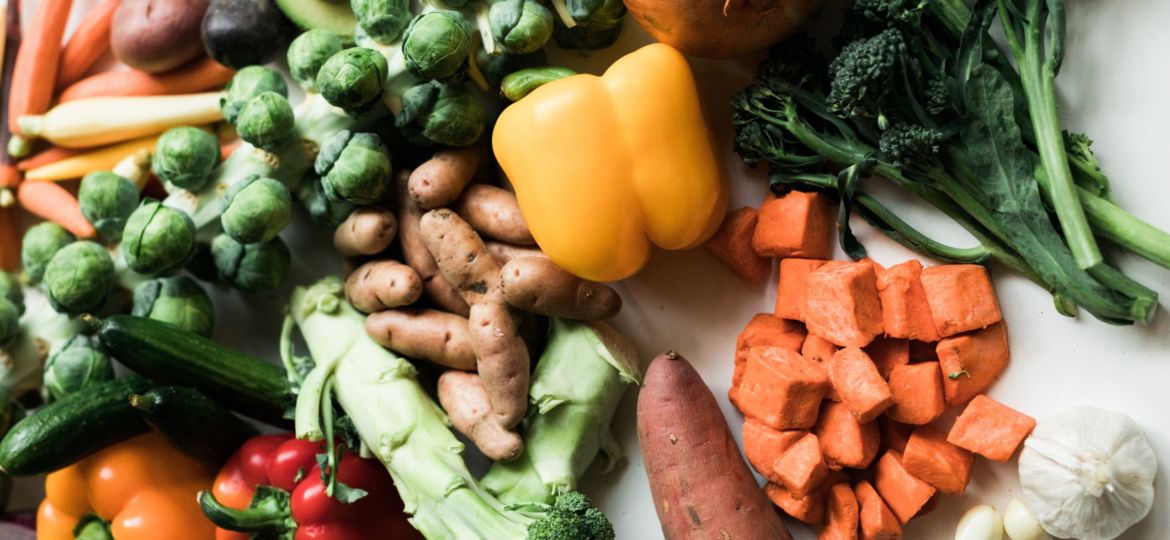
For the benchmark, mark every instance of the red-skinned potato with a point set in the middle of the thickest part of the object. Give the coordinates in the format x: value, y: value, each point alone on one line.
x: 157, y: 35
x: 722, y: 28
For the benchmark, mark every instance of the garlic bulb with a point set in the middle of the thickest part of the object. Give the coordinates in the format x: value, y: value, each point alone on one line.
x: 1020, y: 524
x: 1088, y: 473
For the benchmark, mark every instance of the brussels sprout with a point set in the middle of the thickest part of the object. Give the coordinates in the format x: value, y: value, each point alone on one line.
x: 247, y: 84
x: 442, y: 113
x: 586, y: 37
x: 321, y: 208
x: 185, y: 157
x: 596, y: 14
x: 78, y: 278
x: 520, y: 26
x: 157, y: 239
x: 354, y: 167
x: 382, y: 20
x: 40, y: 243
x: 251, y: 267
x: 308, y: 52
x: 177, y: 301
x: 437, y: 44
x: 79, y: 364
x: 353, y: 78
x: 106, y: 201
x: 256, y: 209
x: 11, y: 290
x: 9, y: 322
x: 266, y: 122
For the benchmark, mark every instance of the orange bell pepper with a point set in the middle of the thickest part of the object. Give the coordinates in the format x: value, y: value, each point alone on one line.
x: 139, y: 489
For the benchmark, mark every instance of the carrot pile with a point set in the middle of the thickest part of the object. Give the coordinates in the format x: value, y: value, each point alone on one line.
x: 845, y: 386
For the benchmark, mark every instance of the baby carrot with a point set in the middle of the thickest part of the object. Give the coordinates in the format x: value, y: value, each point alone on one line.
x: 37, y: 61
x: 50, y: 201
x: 198, y: 75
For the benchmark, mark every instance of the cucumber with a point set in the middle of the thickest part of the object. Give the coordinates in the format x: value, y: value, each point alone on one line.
x: 170, y: 355
x: 193, y: 423
x: 73, y: 427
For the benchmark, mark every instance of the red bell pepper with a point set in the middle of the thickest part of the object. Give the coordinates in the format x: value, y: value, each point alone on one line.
x: 272, y: 486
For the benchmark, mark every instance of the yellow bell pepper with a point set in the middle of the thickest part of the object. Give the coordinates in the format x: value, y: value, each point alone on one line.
x: 605, y: 166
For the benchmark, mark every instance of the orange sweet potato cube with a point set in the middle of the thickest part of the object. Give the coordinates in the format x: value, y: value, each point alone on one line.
x: 802, y: 468
x: 930, y: 458
x: 732, y: 245
x: 877, y: 521
x: 842, y: 305
x: 781, y: 388
x: 841, y: 514
x: 793, y: 284
x: 796, y: 224
x: 917, y: 393
x: 903, y: 493
x: 764, y: 329
x: 895, y: 435
x: 887, y: 352
x: 971, y: 362
x: 762, y: 446
x: 845, y: 442
x: 810, y: 509
x: 820, y: 351
x: 905, y: 310
x: 961, y: 298
x: 856, y: 379
x: 990, y: 429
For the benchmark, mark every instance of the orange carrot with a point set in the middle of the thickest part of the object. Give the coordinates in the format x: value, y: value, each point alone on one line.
x: 51, y: 155
x: 9, y: 240
x: 199, y: 75
x: 226, y: 150
x: 52, y: 202
x: 37, y: 61
x: 88, y: 43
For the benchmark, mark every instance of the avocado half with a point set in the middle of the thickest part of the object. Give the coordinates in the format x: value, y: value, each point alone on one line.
x: 335, y: 17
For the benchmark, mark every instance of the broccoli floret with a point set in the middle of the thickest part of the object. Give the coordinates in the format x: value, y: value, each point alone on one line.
x: 938, y: 96
x: 903, y: 143
x: 865, y: 72
x: 865, y: 18
x: 572, y: 517
x: 795, y: 62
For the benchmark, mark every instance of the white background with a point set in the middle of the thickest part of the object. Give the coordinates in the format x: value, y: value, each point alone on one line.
x: 1113, y: 86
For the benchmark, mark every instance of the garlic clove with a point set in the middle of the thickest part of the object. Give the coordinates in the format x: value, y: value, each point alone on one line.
x: 1020, y: 524
x: 981, y: 522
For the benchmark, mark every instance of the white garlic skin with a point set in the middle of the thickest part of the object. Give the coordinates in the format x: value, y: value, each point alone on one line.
x: 981, y: 522
x: 1020, y: 524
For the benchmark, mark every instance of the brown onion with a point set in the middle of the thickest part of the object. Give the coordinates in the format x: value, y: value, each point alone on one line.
x: 722, y: 28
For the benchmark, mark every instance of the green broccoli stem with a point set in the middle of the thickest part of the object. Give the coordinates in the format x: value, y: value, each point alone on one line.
x: 396, y: 420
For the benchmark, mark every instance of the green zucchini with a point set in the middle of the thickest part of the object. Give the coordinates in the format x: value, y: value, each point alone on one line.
x: 74, y: 427
x: 170, y: 355
x: 193, y: 423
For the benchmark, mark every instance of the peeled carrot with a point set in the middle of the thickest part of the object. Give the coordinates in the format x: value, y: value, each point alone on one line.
x: 226, y: 149
x: 198, y: 75
x: 9, y: 240
x: 87, y: 161
x: 37, y: 61
x: 88, y: 43
x: 9, y: 42
x: 46, y: 157
x: 52, y: 202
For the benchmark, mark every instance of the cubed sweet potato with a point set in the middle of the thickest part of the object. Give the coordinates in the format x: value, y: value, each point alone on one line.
x: 820, y: 351
x: 793, y: 286
x: 856, y: 379
x: 990, y: 429
x: 930, y: 458
x: 961, y: 298
x: 971, y: 362
x: 917, y: 393
x: 905, y: 310
x: 781, y: 388
x: 895, y: 435
x: 877, y: 521
x: 842, y: 305
x: 732, y: 245
x: 903, y: 493
x: 796, y: 224
x: 802, y: 467
x: 845, y: 442
x: 810, y: 509
x: 841, y: 514
x: 887, y: 352
x: 768, y: 330
x: 762, y: 446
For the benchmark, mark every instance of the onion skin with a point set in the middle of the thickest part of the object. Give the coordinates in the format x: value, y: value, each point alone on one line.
x: 722, y: 28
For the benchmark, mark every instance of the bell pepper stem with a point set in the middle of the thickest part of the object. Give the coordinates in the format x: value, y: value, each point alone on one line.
x: 522, y: 82
x: 92, y: 527
x: 259, y: 519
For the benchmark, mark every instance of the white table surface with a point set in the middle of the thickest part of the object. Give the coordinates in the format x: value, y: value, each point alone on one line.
x: 1113, y: 86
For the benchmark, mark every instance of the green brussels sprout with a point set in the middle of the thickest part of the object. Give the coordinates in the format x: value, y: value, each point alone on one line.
x: 353, y: 79
x: 40, y: 243
x: 441, y: 113
x: 9, y: 322
x: 251, y: 267
x: 520, y: 26
x: 80, y: 363
x: 266, y: 122
x: 78, y: 278
x: 247, y: 84
x: 256, y: 209
x: 586, y: 37
x: 596, y: 14
x: 177, y: 301
x: 185, y: 157
x: 106, y: 201
x: 11, y: 289
x: 382, y: 20
x: 321, y: 208
x: 354, y: 167
x: 157, y: 239
x: 437, y: 44
x: 308, y: 52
